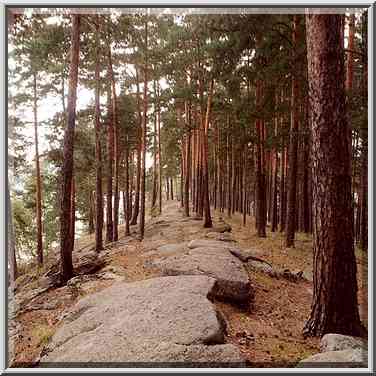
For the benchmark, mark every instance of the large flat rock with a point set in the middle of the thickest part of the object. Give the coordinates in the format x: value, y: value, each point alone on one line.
x: 171, y: 249
x: 199, y: 243
x: 336, y: 342
x: 342, y: 358
x: 232, y: 281
x: 224, y: 237
x: 165, y: 319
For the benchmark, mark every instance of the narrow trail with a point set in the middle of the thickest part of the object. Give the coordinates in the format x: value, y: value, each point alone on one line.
x: 267, y: 332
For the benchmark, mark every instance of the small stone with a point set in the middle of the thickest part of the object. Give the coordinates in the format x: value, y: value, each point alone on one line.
x: 341, y: 358
x: 335, y: 342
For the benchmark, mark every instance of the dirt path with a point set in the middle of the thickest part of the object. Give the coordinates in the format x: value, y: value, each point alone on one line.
x: 269, y: 333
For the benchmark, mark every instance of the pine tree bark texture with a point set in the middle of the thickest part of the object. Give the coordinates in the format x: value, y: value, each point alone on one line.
x: 126, y: 199
x: 38, y: 198
x: 66, y: 241
x: 260, y: 170
x: 363, y: 230
x: 187, y: 173
x: 110, y: 169
x: 116, y: 150
x: 136, y: 207
x: 207, y: 216
x: 334, y: 305
x: 143, y: 138
x: 13, y: 270
x: 98, y: 147
x: 293, y: 148
x: 155, y: 157
x: 159, y: 158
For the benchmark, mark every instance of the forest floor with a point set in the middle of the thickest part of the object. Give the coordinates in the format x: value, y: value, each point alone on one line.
x: 269, y: 334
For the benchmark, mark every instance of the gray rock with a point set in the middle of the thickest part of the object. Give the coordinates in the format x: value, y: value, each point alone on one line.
x: 245, y: 256
x: 110, y: 276
x: 22, y: 299
x: 232, y: 279
x: 222, y: 227
x: 116, y: 269
x: 335, y: 342
x: 41, y: 306
x: 78, y: 281
x: 133, y: 352
x: 166, y: 319
x: 198, y: 243
x: 261, y: 266
x: 224, y: 237
x: 342, y: 358
x: 264, y: 267
x: 89, y: 263
x: 170, y: 249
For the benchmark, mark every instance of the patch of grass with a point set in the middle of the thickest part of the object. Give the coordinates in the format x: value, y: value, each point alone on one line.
x: 42, y: 334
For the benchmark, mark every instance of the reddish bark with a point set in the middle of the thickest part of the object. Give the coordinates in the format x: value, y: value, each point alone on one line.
x: 116, y: 152
x: 98, y: 148
x: 66, y: 242
x: 334, y: 305
x: 293, y: 146
x: 143, y: 138
x: 38, y: 197
x: 207, y: 216
x: 110, y: 161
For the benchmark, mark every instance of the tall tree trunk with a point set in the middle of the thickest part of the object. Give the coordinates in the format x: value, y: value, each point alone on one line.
x: 193, y: 166
x: 136, y: 207
x: 91, y: 213
x: 200, y: 196
x: 260, y: 170
x: 73, y: 211
x: 98, y: 147
x: 187, y: 174
x: 13, y: 272
x: 127, y: 204
x: 172, y: 188
x: 207, y: 217
x: 274, y: 196
x: 306, y: 167
x: 363, y: 236
x: 167, y: 188
x: 334, y: 305
x: 66, y: 242
x: 245, y: 183
x: 233, y: 175
x: 229, y: 171
x: 155, y: 155
x: 63, y: 92
x: 159, y: 158
x: 182, y: 168
x: 38, y: 198
x: 116, y: 148
x: 350, y: 54
x: 283, y: 186
x: 131, y: 183
x: 110, y: 160
x: 293, y: 145
x: 143, y: 137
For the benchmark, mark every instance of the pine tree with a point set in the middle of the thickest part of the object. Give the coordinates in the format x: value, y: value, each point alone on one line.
x: 66, y: 238
x: 335, y: 305
x: 98, y: 144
